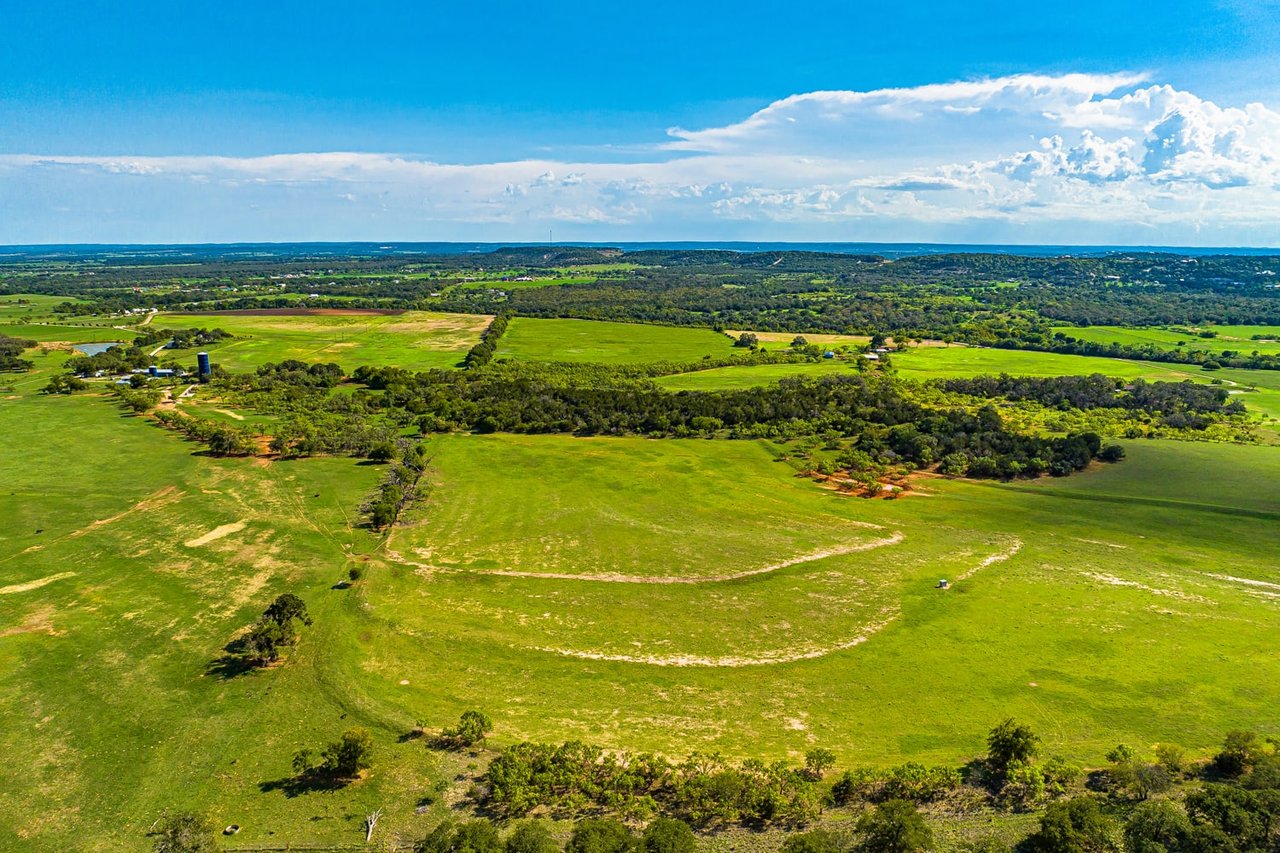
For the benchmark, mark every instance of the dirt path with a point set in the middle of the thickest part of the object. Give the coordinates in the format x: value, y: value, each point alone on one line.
x: 35, y: 584
x: 886, y: 616
x: 1013, y: 548
x: 610, y: 577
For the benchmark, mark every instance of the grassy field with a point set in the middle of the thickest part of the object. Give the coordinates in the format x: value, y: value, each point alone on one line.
x: 1259, y: 389
x: 1085, y: 617
x: 54, y: 333
x: 416, y: 340
x: 1238, y: 338
x: 611, y: 343
x: 784, y: 338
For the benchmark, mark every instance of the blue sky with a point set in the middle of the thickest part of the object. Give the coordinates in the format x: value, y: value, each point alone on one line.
x: 1083, y: 122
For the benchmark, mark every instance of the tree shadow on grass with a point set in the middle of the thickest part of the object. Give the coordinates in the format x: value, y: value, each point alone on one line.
x: 234, y: 663
x: 310, y: 782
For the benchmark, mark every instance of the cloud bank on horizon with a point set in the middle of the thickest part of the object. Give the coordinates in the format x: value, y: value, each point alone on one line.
x: 1071, y: 158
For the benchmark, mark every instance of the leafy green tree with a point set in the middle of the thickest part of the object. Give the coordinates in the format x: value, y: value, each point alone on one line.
x: 747, y: 339
x: 531, y: 836
x: 667, y: 835
x: 1172, y: 758
x: 185, y: 833
x: 1245, y: 816
x: 894, y: 827
x: 471, y: 729
x: 286, y: 608
x: 382, y: 451
x: 347, y: 756
x: 1111, y: 453
x: 799, y: 341
x: 601, y: 835
x: 1010, y: 743
x: 1074, y: 826
x: 264, y: 641
x: 1157, y: 827
x: 1264, y: 775
x: 1239, y: 749
x: 817, y: 762
x: 438, y: 840
x: 476, y: 836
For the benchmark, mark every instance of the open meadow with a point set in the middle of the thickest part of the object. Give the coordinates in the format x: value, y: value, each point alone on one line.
x: 1236, y: 338
x: 1258, y: 389
x: 415, y: 340
x: 608, y: 343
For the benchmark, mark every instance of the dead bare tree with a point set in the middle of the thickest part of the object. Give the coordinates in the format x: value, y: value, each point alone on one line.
x: 369, y: 823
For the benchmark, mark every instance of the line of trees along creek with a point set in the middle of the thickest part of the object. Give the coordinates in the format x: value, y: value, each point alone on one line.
x: 619, y: 802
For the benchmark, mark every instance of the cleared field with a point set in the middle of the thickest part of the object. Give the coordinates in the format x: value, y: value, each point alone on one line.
x: 1237, y: 338
x: 1083, y: 622
x: 415, y: 340
x: 610, y: 343
x: 1259, y: 389
x: 53, y: 333
x: 811, y: 337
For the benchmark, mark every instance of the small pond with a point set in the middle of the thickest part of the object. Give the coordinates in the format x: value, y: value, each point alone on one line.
x: 94, y: 349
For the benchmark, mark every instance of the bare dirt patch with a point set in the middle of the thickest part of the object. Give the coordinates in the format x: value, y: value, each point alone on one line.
x: 215, y: 534
x: 38, y: 621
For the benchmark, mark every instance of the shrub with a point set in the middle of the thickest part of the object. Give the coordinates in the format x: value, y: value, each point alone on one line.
x: 185, y: 833
x: 531, y: 837
x: 470, y: 730
x: 1010, y: 743
x: 813, y: 841
x: 667, y: 835
x: 894, y: 827
x: 601, y: 835
x: 1074, y: 826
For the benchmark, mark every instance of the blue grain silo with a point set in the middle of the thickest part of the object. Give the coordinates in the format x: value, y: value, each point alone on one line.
x: 202, y: 365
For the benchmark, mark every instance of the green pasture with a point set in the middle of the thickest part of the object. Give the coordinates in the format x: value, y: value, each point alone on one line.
x: 52, y: 332
x: 415, y: 340
x: 1259, y: 389
x: 612, y: 343
x: 114, y: 603
x: 1236, y: 338
x: 26, y: 306
x: 1101, y: 608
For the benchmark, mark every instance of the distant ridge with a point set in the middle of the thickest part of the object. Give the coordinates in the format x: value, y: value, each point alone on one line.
x: 231, y: 251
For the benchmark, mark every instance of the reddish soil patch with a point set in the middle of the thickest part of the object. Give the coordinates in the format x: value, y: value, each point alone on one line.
x: 304, y: 312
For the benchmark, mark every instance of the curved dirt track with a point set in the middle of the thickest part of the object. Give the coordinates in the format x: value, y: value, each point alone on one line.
x: 610, y: 577
x: 887, y: 615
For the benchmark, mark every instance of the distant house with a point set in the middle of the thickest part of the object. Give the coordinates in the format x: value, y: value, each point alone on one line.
x: 828, y: 354
x: 870, y: 356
